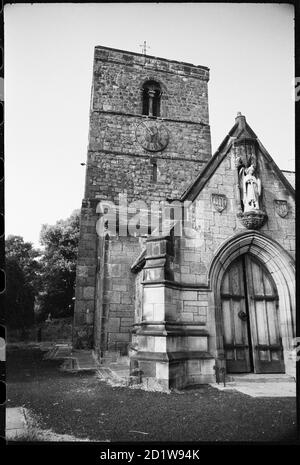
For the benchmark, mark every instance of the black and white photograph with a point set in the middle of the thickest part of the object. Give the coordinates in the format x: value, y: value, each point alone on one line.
x: 150, y: 225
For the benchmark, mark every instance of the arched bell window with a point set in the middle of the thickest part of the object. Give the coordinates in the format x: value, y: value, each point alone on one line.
x: 151, y: 94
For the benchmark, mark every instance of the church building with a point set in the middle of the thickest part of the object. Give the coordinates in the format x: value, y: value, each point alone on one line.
x: 186, y: 259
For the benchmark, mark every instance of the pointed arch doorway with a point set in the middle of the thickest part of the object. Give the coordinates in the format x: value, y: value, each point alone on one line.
x: 250, y: 320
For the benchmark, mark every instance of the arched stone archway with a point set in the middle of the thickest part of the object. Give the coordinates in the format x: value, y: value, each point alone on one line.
x: 281, y: 267
x: 163, y: 94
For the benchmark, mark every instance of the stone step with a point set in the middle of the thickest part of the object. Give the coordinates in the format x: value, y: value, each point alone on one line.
x: 16, y: 423
x: 118, y: 366
x: 106, y: 373
x: 59, y: 351
x: 108, y: 359
x: 261, y: 378
x: 121, y: 373
x: 80, y: 361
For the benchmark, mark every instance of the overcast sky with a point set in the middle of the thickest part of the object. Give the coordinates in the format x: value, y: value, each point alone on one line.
x: 48, y: 75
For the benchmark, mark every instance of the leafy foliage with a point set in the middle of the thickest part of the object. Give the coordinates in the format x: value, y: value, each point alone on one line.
x: 39, y: 282
x: 60, y: 243
x: 23, y: 281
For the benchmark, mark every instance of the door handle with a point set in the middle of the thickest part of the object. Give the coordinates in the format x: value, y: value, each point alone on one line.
x: 242, y: 315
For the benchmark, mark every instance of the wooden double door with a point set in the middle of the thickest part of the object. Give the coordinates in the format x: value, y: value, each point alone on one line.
x: 251, y: 330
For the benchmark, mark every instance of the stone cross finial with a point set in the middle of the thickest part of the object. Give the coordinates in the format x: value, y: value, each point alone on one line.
x: 144, y: 47
x: 240, y: 119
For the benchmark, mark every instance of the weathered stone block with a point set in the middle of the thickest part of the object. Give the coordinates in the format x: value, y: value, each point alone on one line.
x: 126, y: 298
x: 192, y: 309
x: 193, y: 303
x: 154, y: 295
x: 203, y: 311
x: 119, y: 337
x: 202, y: 296
x: 119, y: 287
x: 187, y: 316
x: 126, y: 321
x: 114, y: 325
x: 112, y: 297
x: 88, y: 292
x: 114, y: 270
x: 82, y: 271
x: 189, y: 295
x: 200, y: 318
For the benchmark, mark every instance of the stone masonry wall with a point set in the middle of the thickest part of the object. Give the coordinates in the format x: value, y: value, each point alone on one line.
x: 85, y: 278
x: 119, y: 76
x: 116, y: 174
x: 116, y: 163
x: 119, y: 292
x: 191, y: 305
x: 193, y: 256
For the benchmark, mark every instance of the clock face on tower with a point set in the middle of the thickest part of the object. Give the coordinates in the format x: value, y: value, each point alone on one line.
x: 152, y: 136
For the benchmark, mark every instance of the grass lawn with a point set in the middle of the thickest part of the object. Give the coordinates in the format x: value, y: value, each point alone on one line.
x: 82, y: 406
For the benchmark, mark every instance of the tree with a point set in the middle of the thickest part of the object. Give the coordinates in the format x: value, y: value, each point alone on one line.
x: 22, y: 281
x: 60, y: 243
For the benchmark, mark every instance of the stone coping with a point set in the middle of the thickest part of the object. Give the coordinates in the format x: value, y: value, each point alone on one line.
x: 98, y: 48
x: 172, y: 356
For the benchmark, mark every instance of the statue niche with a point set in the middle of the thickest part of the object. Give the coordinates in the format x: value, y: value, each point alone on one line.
x: 251, y: 188
x: 250, y: 213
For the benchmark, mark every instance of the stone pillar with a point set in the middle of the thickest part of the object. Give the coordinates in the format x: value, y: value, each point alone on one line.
x: 151, y: 94
x: 99, y: 336
x: 150, y: 335
x: 85, y: 278
x: 170, y: 349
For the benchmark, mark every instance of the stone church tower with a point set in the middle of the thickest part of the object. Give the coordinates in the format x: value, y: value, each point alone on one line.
x: 149, y: 137
x: 194, y: 295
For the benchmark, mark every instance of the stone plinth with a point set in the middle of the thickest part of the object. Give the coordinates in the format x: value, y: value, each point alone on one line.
x: 172, y: 351
x: 253, y: 219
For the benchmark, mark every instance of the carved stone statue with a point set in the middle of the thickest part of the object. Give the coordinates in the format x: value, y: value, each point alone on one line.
x: 251, y: 187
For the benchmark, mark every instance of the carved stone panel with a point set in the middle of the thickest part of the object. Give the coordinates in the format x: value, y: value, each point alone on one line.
x: 281, y: 207
x: 219, y: 201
